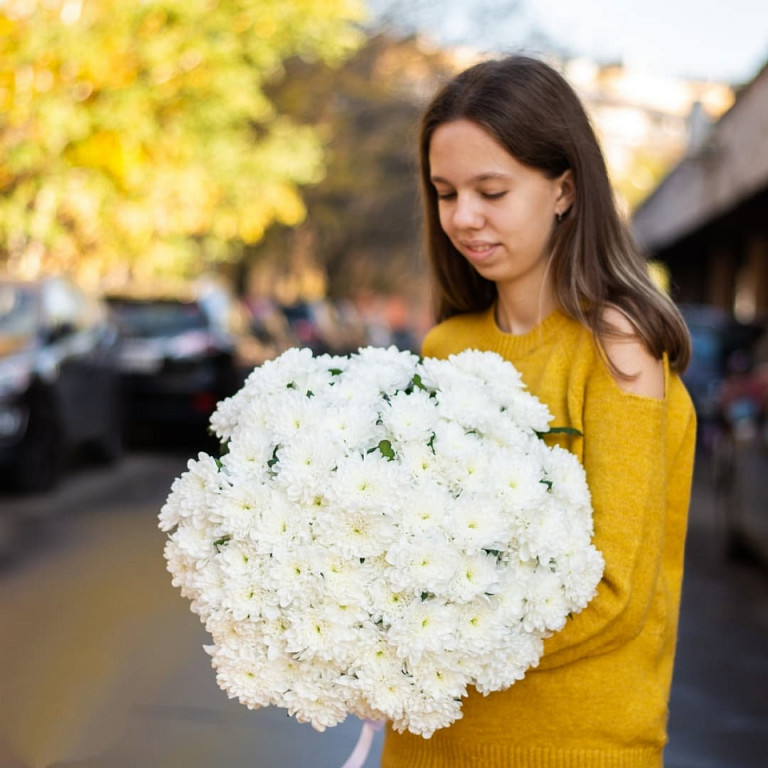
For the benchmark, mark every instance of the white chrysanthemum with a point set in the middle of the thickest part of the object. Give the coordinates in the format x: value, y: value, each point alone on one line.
x: 391, y: 368
x: 233, y: 638
x: 307, y: 706
x: 182, y: 567
x: 510, y: 599
x: 581, y: 568
x: 427, y: 714
x: 381, y: 533
x: 506, y: 432
x: 341, y: 575
x: 424, y: 627
x: 441, y: 376
x: 360, y: 397
x: 197, y: 543
x: 482, y: 525
x: 303, y: 467
x: 453, y: 447
x: 430, y: 508
x: 480, y: 626
x: 504, y: 385
x: 225, y: 418
x: 369, y: 482
x: 569, y: 482
x: 240, y: 670
x: 544, y: 536
x: 476, y: 574
x: 438, y: 677
x: 209, y: 587
x: 357, y: 533
x: 244, y: 591
x: 291, y: 577
x: 468, y: 406
x: 517, y: 652
x: 385, y: 603
x: 418, y: 460
x: 322, y: 631
x: 239, y: 509
x: 279, y: 527
x: 290, y: 414
x: 382, y: 678
x: 293, y: 369
x: 345, y: 428
x: 518, y: 481
x: 248, y: 456
x: 408, y: 418
x: 530, y: 411
x: 192, y: 494
x: 422, y: 564
x: 491, y: 368
x: 546, y: 608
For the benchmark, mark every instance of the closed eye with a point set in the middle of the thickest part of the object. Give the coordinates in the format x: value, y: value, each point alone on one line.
x: 494, y: 195
x: 445, y: 195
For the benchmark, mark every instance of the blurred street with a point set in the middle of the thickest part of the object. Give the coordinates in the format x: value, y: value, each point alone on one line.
x: 101, y: 664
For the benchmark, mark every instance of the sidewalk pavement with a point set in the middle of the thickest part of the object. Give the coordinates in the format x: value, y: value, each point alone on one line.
x: 719, y: 703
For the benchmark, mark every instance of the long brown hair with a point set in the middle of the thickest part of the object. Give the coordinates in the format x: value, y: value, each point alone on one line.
x: 532, y: 111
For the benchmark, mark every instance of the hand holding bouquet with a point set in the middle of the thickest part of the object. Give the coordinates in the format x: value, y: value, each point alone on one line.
x: 381, y: 533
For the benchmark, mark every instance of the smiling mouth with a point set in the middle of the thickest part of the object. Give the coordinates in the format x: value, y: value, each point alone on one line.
x: 478, y: 249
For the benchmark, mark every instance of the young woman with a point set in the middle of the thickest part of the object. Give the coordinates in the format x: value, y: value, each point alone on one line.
x: 530, y: 260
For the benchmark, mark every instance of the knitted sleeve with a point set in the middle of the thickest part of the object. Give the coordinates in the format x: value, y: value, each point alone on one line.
x: 632, y: 474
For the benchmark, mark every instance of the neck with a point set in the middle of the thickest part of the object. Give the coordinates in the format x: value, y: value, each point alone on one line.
x: 518, y: 312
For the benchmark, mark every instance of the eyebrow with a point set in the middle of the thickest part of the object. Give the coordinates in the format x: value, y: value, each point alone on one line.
x: 480, y: 177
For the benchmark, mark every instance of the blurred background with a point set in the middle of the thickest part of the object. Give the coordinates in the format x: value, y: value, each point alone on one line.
x: 190, y: 187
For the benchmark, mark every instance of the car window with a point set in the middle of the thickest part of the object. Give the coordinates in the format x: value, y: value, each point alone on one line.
x: 146, y: 319
x: 17, y: 311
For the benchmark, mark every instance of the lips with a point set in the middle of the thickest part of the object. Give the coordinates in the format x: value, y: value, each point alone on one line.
x: 477, y: 250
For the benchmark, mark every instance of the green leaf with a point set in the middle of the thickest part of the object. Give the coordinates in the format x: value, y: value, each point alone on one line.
x: 385, y: 447
x: 571, y: 431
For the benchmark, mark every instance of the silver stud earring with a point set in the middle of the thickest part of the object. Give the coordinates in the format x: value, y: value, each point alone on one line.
x: 559, y: 216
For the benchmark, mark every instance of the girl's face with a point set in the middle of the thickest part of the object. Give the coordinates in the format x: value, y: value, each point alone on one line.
x: 497, y: 212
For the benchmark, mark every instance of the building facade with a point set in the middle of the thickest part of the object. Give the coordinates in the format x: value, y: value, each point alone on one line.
x: 708, y: 219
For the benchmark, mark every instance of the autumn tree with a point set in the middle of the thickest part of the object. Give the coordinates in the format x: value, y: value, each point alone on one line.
x: 363, y: 222
x: 138, y: 137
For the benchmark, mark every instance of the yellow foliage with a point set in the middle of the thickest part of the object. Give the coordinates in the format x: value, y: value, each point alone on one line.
x: 142, y: 129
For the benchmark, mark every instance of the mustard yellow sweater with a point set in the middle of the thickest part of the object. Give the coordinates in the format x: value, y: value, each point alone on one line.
x: 598, y: 698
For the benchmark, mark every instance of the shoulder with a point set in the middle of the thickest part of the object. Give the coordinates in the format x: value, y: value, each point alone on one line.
x: 632, y: 365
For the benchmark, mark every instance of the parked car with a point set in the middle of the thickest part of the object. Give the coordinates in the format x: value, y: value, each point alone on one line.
x: 715, y: 335
x: 59, y: 385
x: 176, y: 358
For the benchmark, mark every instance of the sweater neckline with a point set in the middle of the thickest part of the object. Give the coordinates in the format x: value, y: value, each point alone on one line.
x: 520, y: 344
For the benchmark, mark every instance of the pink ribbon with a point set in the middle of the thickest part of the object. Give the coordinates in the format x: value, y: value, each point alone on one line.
x: 363, y: 746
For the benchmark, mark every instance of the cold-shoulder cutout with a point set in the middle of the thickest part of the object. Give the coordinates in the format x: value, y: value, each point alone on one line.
x: 637, y: 370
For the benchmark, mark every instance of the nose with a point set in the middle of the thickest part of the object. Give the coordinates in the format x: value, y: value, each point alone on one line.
x: 467, y: 213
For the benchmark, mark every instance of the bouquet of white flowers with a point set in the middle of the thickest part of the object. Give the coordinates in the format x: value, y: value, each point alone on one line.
x: 381, y: 532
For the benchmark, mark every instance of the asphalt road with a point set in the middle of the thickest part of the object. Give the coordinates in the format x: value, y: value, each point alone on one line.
x: 101, y: 664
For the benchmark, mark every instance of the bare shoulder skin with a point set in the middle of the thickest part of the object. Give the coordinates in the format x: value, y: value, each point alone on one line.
x: 644, y: 372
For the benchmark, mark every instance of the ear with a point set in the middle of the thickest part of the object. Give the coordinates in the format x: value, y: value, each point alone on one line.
x: 566, y: 192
